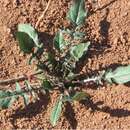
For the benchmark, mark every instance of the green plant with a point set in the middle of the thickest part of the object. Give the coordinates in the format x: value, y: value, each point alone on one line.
x: 57, y: 65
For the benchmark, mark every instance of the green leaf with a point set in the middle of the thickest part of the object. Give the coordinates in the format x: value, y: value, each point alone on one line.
x: 74, y: 34
x: 47, y: 85
x: 56, y: 112
x: 77, y: 51
x: 30, y: 31
x: 78, y: 35
x: 51, y: 58
x: 25, y: 42
x: 59, y: 41
x: 20, y: 92
x: 67, y: 98
x: 30, y: 88
x: 120, y: 75
x: 80, y: 96
x: 77, y: 13
x: 6, y: 99
x: 68, y: 31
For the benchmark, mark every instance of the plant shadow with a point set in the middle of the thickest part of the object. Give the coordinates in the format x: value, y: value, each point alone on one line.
x: 97, y: 48
x: 103, y: 7
x: 113, y: 112
x: 104, y: 27
x: 46, y: 38
x: 32, y: 109
x: 47, y: 41
x: 70, y: 115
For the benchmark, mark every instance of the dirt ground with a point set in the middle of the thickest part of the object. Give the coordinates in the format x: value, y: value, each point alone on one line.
x: 108, y: 29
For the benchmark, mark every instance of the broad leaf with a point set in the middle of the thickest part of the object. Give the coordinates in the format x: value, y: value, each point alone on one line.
x: 59, y: 41
x: 47, y: 85
x: 25, y: 42
x: 77, y: 13
x: 30, y: 31
x: 77, y: 51
x: 120, y: 75
x: 6, y: 99
x: 56, y: 111
x: 24, y: 95
x: 80, y: 96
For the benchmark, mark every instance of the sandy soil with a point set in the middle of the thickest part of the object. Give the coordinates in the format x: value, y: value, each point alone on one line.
x: 108, y: 29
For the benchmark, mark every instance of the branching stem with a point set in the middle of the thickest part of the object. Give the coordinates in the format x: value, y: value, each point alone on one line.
x: 93, y: 79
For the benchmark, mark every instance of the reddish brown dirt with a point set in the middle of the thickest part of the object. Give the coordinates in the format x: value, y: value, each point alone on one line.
x: 108, y: 29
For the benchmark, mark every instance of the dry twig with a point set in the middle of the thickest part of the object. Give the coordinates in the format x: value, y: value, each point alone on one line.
x: 43, y: 14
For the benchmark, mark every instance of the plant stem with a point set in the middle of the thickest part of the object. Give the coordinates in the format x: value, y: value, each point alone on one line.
x: 21, y: 78
x: 93, y: 79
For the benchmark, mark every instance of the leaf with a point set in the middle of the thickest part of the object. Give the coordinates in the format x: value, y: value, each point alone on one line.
x: 24, y: 95
x: 25, y: 42
x: 59, y: 41
x: 74, y: 34
x: 77, y: 51
x: 47, y: 85
x: 30, y: 31
x: 68, y: 31
x: 6, y: 99
x: 120, y: 75
x: 30, y: 88
x: 56, y: 111
x: 67, y: 98
x: 77, y: 13
x: 79, y: 96
x: 78, y: 35
x: 37, y: 54
x: 51, y: 58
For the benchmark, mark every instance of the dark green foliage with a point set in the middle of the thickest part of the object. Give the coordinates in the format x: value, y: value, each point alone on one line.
x: 28, y: 29
x: 47, y: 85
x: 6, y: 99
x: 25, y: 42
